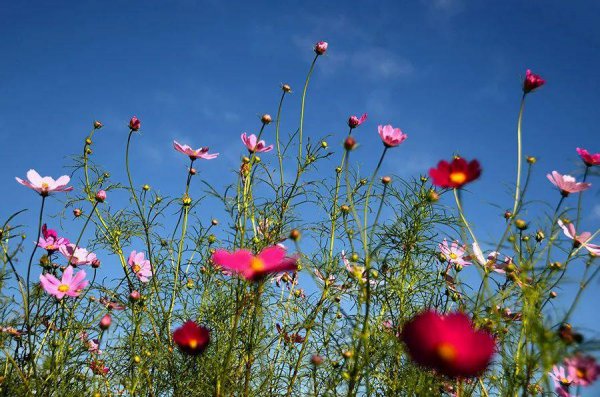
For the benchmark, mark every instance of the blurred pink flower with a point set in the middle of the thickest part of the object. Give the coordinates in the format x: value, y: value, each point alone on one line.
x: 567, y: 184
x: 581, y: 239
x: 68, y: 285
x: 45, y: 185
x: 583, y: 370
x: 200, y: 153
x: 391, y: 136
x: 532, y: 81
x: 562, y: 381
x: 253, y: 146
x: 98, y: 367
x: 455, y: 253
x: 140, y: 266
x: 492, y: 260
x: 50, y: 240
x: 254, y: 267
x: 321, y: 47
x: 135, y: 123
x: 76, y: 255
x: 356, y: 271
x: 588, y: 158
x: 354, y: 121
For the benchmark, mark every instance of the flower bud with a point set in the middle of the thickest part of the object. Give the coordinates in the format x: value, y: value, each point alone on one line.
x: 101, y: 196
x: 539, y: 236
x: 135, y: 124
x: 350, y: 143
x: 266, y: 119
x: 316, y: 360
x: 521, y: 224
x: 531, y: 160
x: 212, y: 239
x: 134, y: 296
x: 286, y: 88
x: 193, y: 171
x: 553, y: 294
x: 354, y: 257
x: 97, y: 125
x: 214, y: 222
x: 321, y: 47
x: 295, y: 234
x: 88, y: 141
x: 105, y: 322
x: 432, y: 196
x: 96, y: 263
x: 77, y: 212
x: 324, y: 144
x: 345, y: 209
x: 146, y: 187
x: 187, y: 200
x: 507, y: 214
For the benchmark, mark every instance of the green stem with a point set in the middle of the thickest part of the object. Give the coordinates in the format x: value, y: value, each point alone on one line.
x: 519, y: 153
x: 301, y: 130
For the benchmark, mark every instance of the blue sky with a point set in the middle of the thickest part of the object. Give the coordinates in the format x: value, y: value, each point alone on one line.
x: 448, y: 72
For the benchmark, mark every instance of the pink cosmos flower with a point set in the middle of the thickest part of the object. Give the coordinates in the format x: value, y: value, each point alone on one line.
x: 98, y: 367
x: 581, y: 239
x: 492, y: 260
x: 45, y: 185
x: 135, y: 123
x: 254, y: 267
x: 50, y: 240
x: 588, y: 158
x: 356, y: 271
x: 76, y: 255
x: 532, y: 81
x: 567, y: 184
x: 583, y: 370
x: 69, y: 285
x: 200, y: 153
x: 321, y: 47
x: 354, y: 121
x: 254, y: 146
x: 140, y: 266
x: 391, y: 136
x: 455, y: 253
x: 562, y: 381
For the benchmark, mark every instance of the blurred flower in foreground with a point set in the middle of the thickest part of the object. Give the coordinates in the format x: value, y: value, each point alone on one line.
x: 45, y: 185
x: 191, y: 338
x: 583, y: 370
x: 567, y: 184
x: 251, y: 267
x: 140, y: 266
x: 455, y: 174
x: 253, y: 146
x: 581, y: 239
x: 354, y: 121
x: 448, y: 344
x: 391, y: 136
x: 68, y: 285
x: 532, y: 81
x: 194, y: 154
x: 588, y: 158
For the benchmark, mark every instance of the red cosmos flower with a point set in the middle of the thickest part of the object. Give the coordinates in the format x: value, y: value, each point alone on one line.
x: 254, y: 267
x: 135, y: 123
x: 588, y: 158
x: 448, y: 344
x: 455, y: 174
x: 191, y: 338
x: 532, y: 81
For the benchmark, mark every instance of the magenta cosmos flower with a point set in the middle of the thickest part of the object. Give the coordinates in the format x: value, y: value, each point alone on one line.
x: 69, y: 285
x: 455, y: 174
x: 448, y: 343
x: 191, y: 338
x: 254, y: 267
x: 76, y: 255
x: 588, y: 158
x: 253, y: 146
x: 321, y: 47
x: 455, y: 253
x: 140, y: 266
x: 194, y: 154
x: 354, y: 121
x: 45, y: 185
x: 567, y: 184
x: 391, y: 136
x: 583, y: 370
x: 532, y: 81
x: 581, y: 239
x: 50, y: 240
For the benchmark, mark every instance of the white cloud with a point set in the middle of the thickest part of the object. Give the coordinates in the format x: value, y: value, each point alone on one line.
x: 380, y: 63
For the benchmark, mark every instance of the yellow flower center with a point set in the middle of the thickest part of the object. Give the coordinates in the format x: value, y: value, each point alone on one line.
x: 256, y: 264
x: 136, y: 268
x: 580, y: 373
x: 45, y: 186
x: 63, y: 288
x: 565, y: 382
x: 453, y: 255
x: 193, y: 343
x: 446, y: 352
x: 458, y: 177
x: 50, y: 247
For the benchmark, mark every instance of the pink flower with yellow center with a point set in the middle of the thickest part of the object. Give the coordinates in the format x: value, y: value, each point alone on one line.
x: 255, y: 146
x: 50, y: 241
x: 77, y: 255
x: 391, y: 136
x: 567, y: 184
x: 69, y: 285
x: 140, y: 266
x: 455, y: 253
x: 579, y: 239
x: 255, y: 267
x: 194, y: 154
x: 45, y: 185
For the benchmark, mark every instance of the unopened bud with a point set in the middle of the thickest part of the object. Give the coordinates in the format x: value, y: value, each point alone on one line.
x: 214, y: 222
x: 521, y: 224
x: 105, y: 322
x: 101, y: 196
x: 97, y: 125
x: 386, y: 180
x: 350, y: 143
x: 266, y: 119
x: 432, y: 196
x: 286, y: 88
x: 539, y: 236
x: 135, y: 296
x: 77, y: 212
x: 316, y: 359
x: 295, y: 234
x: 531, y: 159
x: 192, y: 171
x: 146, y: 187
